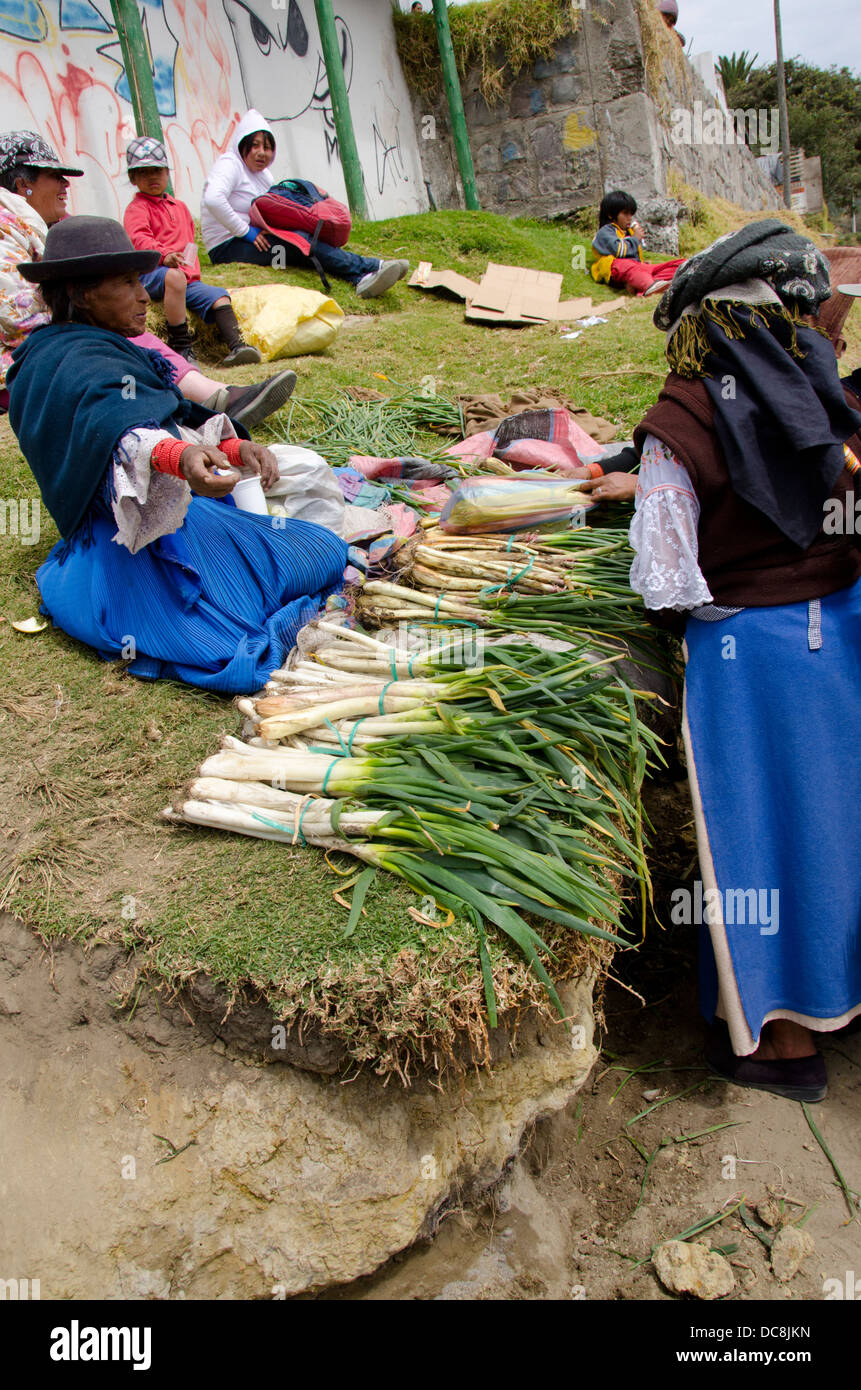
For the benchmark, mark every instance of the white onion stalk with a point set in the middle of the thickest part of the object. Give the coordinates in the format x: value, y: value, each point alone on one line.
x: 290, y: 769
x: 374, y: 730
x: 307, y: 697
x: 360, y: 639
x: 244, y: 820
x: 265, y: 798
x: 398, y: 591
x: 281, y: 726
x: 458, y: 563
x: 383, y: 613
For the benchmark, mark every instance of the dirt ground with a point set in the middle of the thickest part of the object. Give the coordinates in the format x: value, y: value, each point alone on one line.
x: 570, y: 1222
x: 573, y: 1215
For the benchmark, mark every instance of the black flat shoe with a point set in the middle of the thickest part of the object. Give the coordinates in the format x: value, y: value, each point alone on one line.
x: 794, y: 1078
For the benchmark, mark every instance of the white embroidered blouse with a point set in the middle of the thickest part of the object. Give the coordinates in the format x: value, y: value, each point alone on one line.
x: 664, y: 533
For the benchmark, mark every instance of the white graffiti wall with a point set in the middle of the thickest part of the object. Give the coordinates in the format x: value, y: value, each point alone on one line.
x: 61, y: 74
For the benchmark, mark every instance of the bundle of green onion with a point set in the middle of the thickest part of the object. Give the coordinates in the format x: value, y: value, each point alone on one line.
x: 507, y: 791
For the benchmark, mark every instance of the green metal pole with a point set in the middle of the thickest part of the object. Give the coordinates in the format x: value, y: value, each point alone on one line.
x: 455, y: 106
x: 136, y: 61
x: 341, y: 108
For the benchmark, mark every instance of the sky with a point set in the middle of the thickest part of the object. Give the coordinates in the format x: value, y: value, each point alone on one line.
x: 821, y: 33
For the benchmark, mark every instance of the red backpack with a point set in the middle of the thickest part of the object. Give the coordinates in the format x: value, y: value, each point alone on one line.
x: 299, y: 212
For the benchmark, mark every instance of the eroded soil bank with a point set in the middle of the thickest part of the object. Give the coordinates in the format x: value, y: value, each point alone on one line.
x: 142, y: 1155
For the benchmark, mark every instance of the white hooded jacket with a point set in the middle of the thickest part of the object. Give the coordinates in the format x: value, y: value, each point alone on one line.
x: 231, y: 188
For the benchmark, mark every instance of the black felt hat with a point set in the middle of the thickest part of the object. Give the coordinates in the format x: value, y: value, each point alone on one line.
x: 83, y: 246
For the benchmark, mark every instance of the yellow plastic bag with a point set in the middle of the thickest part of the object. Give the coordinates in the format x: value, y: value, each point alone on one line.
x: 286, y: 320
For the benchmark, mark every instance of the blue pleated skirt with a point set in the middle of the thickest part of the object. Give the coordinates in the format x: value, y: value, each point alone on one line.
x: 774, y: 754
x: 216, y: 604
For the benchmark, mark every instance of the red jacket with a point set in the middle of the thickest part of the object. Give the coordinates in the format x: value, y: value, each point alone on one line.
x: 161, y: 224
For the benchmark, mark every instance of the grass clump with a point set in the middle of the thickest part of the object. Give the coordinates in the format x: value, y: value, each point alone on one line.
x: 517, y: 32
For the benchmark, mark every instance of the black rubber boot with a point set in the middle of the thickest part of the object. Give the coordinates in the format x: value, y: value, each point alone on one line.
x: 239, y: 351
x: 179, y: 338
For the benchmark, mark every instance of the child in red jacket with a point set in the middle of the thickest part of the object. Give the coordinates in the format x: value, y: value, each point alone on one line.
x: 157, y: 222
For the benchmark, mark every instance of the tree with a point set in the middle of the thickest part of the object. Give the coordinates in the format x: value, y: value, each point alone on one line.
x: 735, y: 70
x: 824, y: 118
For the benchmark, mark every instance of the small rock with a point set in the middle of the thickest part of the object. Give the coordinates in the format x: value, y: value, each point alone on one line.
x: 789, y: 1247
x: 653, y: 1095
x: 684, y: 1268
x: 768, y: 1212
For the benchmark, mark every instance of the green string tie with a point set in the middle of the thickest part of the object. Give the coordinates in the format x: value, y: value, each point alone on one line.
x: 383, y: 695
x: 333, y: 763
x: 345, y: 747
x: 510, y: 579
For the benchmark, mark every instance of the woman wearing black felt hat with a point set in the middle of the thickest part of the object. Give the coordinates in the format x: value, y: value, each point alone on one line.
x: 138, y: 481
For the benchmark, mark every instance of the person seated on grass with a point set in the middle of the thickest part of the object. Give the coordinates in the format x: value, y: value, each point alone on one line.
x: 242, y: 174
x: 154, y: 553
x: 34, y: 186
x: 157, y: 222
x: 618, y: 248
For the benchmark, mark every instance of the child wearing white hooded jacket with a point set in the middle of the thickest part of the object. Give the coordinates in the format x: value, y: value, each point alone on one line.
x: 242, y: 174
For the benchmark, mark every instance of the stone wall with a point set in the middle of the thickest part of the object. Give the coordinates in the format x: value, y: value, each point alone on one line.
x: 572, y: 127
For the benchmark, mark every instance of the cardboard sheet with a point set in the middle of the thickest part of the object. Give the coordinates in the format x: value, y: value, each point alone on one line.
x: 509, y: 294
x: 424, y: 277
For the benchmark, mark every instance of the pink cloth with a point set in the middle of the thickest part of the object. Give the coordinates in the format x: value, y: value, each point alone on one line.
x: 562, y: 454
x: 149, y: 340
x: 372, y: 467
x: 639, y: 275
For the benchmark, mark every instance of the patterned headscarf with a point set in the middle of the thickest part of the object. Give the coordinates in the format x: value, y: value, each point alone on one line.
x: 733, y: 316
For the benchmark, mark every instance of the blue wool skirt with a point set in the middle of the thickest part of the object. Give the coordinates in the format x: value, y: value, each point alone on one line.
x: 217, y: 604
x: 774, y: 757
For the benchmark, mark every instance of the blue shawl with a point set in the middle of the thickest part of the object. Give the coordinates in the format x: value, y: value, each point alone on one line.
x: 74, y: 390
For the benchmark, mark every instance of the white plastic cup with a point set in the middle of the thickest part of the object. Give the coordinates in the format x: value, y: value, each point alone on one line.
x: 249, y: 497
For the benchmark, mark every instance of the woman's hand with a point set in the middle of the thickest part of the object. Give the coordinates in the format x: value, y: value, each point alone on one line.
x: 612, y: 487
x: 258, y: 459
x: 197, y: 463
x: 261, y: 242
x: 172, y: 260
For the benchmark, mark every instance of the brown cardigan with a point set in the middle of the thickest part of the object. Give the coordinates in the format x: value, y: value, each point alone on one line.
x: 747, y: 561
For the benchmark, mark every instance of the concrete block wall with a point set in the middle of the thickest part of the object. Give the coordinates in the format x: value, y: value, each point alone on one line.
x: 571, y: 127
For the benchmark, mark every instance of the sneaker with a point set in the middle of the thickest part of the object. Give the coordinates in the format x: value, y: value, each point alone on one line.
x: 239, y: 355
x: 376, y: 282
x: 251, y: 404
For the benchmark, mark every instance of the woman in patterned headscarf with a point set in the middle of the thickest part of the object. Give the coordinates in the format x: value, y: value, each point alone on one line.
x: 741, y: 543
